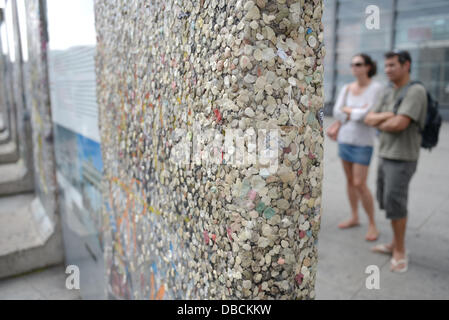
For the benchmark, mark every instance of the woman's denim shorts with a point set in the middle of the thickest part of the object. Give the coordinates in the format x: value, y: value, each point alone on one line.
x: 355, y: 154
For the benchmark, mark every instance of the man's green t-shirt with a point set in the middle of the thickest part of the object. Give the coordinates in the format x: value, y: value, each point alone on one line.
x: 403, y: 145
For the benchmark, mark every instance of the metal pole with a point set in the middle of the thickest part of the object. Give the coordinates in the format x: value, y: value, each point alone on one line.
x: 334, y: 48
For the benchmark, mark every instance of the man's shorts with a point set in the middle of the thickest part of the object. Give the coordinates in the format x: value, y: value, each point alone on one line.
x: 393, y: 179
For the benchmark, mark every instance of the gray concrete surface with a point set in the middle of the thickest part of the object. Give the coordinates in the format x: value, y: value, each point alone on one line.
x: 8, y: 151
x: 344, y: 254
x: 28, y: 238
x: 15, y: 178
x: 4, y: 136
x: 48, y: 284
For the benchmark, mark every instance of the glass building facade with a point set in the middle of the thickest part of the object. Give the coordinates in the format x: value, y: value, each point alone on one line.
x: 421, y: 27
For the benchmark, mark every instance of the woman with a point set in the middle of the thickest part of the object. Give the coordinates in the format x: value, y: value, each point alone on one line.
x: 356, y: 140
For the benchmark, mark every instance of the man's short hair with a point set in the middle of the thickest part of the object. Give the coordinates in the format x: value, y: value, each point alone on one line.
x: 403, y: 56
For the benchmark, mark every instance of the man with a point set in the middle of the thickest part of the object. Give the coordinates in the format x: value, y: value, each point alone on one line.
x: 400, y: 142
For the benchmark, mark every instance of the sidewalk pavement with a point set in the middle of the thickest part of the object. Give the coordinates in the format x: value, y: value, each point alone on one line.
x: 48, y: 284
x: 344, y: 254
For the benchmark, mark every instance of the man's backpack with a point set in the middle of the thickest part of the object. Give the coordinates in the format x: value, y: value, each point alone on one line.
x: 432, y: 126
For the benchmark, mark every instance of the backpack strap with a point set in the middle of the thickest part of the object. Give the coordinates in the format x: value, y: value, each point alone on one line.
x: 403, y: 94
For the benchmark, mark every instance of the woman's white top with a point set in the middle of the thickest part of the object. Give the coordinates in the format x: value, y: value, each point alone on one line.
x: 354, y: 131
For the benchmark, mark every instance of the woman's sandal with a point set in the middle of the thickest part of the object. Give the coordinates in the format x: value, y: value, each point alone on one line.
x: 382, y: 248
x: 395, y: 263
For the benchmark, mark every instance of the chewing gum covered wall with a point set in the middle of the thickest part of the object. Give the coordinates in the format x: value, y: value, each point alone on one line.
x: 39, y: 104
x: 212, y: 142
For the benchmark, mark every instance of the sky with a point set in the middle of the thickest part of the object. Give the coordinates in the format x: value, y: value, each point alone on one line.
x: 9, y: 33
x: 70, y: 23
x: 22, y: 27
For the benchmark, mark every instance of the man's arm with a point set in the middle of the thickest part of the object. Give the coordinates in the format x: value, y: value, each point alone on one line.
x: 376, y: 116
x: 374, y: 119
x: 411, y: 109
x: 395, y: 124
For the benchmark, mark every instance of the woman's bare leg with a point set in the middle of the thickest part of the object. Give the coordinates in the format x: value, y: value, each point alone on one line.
x: 352, y: 196
x: 360, y: 174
